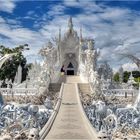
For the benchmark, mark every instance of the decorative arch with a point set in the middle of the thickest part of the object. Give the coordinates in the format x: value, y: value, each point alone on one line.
x: 70, y: 66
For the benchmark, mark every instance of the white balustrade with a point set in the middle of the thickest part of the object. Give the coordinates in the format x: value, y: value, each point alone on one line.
x: 19, y: 91
x: 120, y: 92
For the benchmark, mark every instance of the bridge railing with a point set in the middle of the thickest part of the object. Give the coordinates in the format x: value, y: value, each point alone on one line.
x: 92, y: 129
x: 18, y: 91
x: 120, y: 92
x: 45, y: 130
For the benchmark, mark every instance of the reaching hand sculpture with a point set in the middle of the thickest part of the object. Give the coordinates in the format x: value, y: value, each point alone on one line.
x: 133, y: 58
x: 5, y: 57
x: 2, y: 60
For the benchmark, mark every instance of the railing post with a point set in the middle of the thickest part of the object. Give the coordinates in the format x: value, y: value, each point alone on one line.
x: 125, y: 94
x: 12, y: 93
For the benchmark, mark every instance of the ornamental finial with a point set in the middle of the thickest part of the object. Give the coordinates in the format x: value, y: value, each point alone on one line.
x: 70, y: 24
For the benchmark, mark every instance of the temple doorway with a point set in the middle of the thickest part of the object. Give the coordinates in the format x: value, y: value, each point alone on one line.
x: 70, y: 69
x: 70, y: 65
x: 70, y: 72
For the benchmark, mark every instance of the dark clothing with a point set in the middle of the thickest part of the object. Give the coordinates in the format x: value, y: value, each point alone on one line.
x: 62, y: 69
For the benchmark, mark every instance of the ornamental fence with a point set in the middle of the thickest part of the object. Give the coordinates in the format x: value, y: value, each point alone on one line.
x: 120, y: 92
x: 19, y: 91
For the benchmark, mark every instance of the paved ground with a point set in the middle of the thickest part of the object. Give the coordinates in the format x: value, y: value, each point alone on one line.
x: 70, y: 123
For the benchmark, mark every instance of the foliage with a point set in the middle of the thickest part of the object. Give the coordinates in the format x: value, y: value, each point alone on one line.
x: 116, y: 77
x: 126, y: 75
x: 10, y: 67
x: 136, y: 74
x: 137, y: 79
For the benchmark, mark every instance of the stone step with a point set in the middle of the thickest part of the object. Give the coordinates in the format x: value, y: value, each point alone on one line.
x: 54, y: 87
x: 84, y: 88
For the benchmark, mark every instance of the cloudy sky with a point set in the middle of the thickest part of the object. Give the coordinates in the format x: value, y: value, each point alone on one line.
x: 115, y: 25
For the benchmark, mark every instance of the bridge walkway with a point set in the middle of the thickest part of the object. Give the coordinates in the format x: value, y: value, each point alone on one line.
x: 70, y: 122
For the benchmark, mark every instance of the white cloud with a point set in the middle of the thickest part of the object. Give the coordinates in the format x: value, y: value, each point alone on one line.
x: 12, y: 36
x: 129, y: 67
x: 121, y: 24
x: 109, y: 26
x: 116, y: 14
x: 56, y: 10
x: 87, y: 6
x: 7, y: 5
x: 30, y: 13
x: 2, y: 20
x: 126, y: 67
x: 71, y: 3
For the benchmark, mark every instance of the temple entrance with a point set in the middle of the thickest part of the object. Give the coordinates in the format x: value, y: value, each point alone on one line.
x: 70, y: 69
x: 70, y: 72
x: 70, y: 64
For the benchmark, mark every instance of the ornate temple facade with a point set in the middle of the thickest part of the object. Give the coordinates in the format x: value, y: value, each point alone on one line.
x: 69, y: 50
x: 75, y: 54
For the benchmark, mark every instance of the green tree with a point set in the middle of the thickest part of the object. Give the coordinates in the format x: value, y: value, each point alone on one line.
x: 137, y: 79
x: 126, y: 76
x: 10, y: 67
x: 136, y: 74
x: 116, y: 77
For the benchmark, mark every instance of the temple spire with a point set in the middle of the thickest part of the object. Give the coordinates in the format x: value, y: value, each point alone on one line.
x: 70, y: 24
x: 59, y: 43
x: 59, y: 34
x: 81, y: 37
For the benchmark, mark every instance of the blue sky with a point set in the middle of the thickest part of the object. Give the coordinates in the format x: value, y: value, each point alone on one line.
x: 115, y: 25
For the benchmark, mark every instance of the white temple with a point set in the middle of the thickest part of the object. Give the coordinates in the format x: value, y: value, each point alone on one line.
x: 49, y: 98
x: 75, y: 54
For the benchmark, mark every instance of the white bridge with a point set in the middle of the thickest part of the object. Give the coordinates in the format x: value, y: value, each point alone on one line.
x: 68, y: 121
